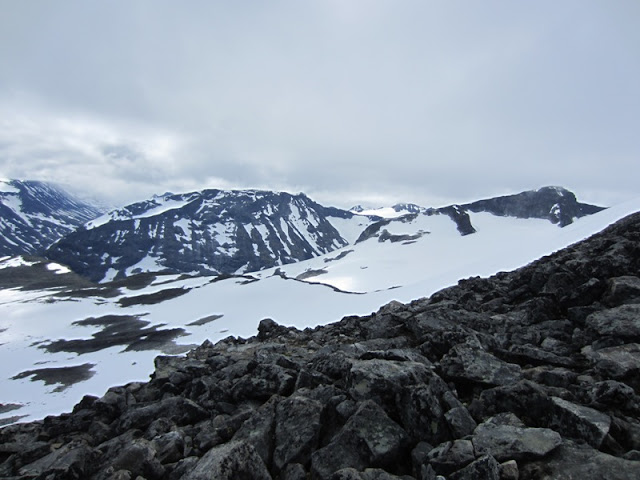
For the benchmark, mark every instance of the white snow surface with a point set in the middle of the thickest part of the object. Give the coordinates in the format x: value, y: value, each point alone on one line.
x: 12, y: 262
x: 350, y: 228
x: 57, y: 268
x: 164, y: 205
x: 435, y: 260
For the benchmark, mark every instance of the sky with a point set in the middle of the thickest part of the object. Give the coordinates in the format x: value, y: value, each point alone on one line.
x: 350, y: 101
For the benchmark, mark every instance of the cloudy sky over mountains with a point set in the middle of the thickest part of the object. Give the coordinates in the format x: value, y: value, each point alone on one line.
x: 351, y: 101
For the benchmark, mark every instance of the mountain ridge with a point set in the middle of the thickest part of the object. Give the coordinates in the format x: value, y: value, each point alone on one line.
x: 212, y: 232
x: 208, y: 232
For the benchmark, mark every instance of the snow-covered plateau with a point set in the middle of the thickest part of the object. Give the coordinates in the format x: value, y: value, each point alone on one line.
x: 57, y: 345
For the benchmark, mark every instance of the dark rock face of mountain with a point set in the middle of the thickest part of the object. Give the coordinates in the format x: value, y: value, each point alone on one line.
x: 532, y: 374
x: 208, y: 232
x: 33, y: 215
x: 556, y: 204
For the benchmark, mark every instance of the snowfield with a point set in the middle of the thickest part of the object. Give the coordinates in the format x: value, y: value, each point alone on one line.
x: 51, y: 345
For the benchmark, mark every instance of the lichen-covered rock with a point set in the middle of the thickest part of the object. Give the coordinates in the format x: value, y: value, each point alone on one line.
x: 578, y: 421
x: 369, y: 438
x: 232, y: 461
x: 451, y: 456
x: 622, y: 321
x: 485, y: 467
x: 470, y: 363
x: 297, y: 430
x: 572, y: 461
x: 74, y: 460
x: 506, y: 442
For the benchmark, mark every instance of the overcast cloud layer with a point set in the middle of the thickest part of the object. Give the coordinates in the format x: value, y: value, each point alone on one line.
x: 350, y: 101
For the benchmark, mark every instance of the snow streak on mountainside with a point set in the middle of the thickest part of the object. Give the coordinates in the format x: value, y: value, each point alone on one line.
x: 33, y: 215
x: 208, y: 232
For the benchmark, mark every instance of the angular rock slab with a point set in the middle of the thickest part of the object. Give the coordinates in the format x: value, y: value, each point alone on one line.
x: 625, y: 289
x: 68, y: 461
x: 618, y: 362
x: 379, y: 380
x: 451, y: 456
x: 506, y: 442
x: 231, y: 461
x: 368, y: 439
x: 622, y: 321
x: 571, y: 462
x: 485, y: 468
x: 471, y: 363
x: 297, y: 432
x: 579, y: 422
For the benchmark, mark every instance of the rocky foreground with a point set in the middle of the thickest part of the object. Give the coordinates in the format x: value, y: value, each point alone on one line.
x: 532, y: 374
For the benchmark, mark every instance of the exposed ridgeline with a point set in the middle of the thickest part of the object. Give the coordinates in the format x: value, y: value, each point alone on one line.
x: 556, y: 204
x: 533, y: 374
x: 33, y: 215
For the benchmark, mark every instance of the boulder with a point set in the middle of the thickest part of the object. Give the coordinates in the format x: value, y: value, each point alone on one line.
x: 506, y: 442
x: 139, y: 459
x: 621, y: 290
x: 472, y: 364
x: 231, y: 461
x: 572, y: 461
x: 460, y: 422
x: 622, y: 321
x: 258, y: 430
x: 380, y: 380
x: 74, y: 461
x: 485, y: 468
x: 422, y: 413
x: 297, y: 430
x: 177, y: 409
x: 618, y: 362
x: 368, y: 439
x: 579, y: 422
x: 509, y: 470
x: 451, y: 456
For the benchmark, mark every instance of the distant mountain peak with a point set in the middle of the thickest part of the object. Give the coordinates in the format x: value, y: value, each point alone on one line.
x: 206, y: 232
x: 556, y: 204
x: 34, y: 214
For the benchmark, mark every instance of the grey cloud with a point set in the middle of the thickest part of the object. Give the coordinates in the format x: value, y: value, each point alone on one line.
x: 419, y: 101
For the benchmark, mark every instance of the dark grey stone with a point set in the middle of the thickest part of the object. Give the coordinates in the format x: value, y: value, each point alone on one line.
x: 505, y: 442
x: 577, y: 421
x: 232, y: 461
x: 485, y: 468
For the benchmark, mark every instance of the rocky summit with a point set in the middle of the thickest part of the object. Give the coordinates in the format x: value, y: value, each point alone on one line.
x: 533, y: 374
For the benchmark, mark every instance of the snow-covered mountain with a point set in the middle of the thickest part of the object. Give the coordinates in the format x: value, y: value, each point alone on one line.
x: 33, y: 215
x: 556, y: 204
x: 215, y: 232
x: 78, y: 338
x: 207, y: 232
